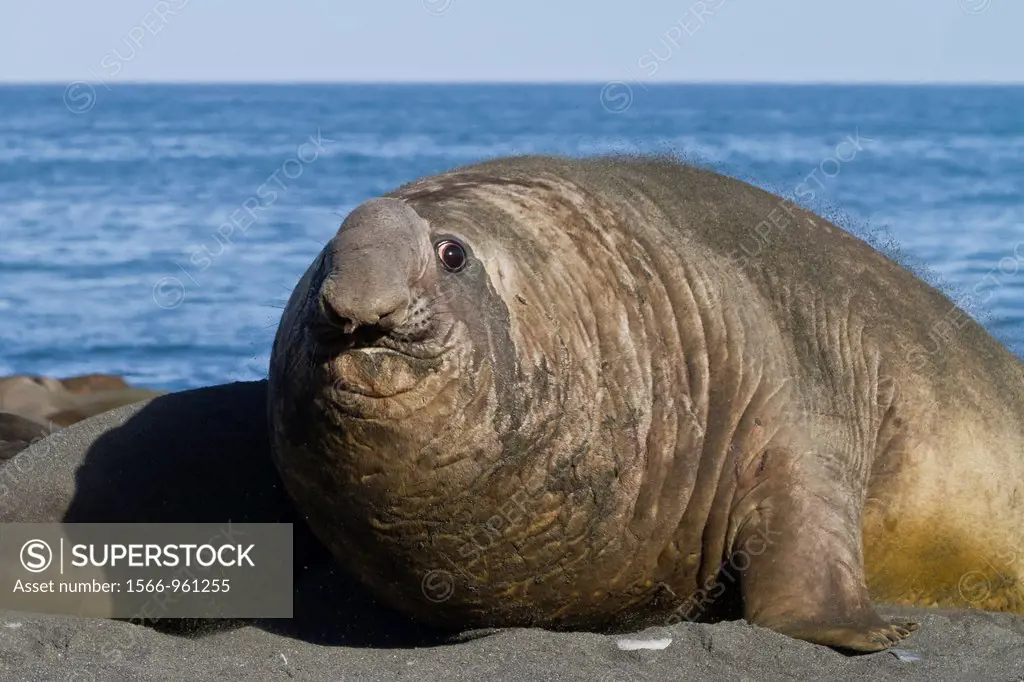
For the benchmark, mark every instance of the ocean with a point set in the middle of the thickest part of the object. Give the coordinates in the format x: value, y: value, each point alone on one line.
x: 118, y: 254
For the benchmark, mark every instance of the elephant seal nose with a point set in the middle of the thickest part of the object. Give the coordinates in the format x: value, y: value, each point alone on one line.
x: 343, y: 313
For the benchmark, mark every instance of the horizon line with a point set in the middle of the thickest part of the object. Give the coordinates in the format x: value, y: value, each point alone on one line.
x: 638, y: 83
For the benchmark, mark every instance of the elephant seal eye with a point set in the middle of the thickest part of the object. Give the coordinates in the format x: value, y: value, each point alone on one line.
x: 451, y: 254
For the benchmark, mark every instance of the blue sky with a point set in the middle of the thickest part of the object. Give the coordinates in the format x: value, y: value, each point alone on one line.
x: 513, y: 40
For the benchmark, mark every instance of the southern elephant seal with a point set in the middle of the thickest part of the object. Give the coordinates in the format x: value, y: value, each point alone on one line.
x: 17, y: 433
x: 595, y: 393
x: 66, y: 401
x: 93, y: 383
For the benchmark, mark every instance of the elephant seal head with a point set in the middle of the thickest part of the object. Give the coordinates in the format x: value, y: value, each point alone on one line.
x: 387, y: 324
x: 434, y: 392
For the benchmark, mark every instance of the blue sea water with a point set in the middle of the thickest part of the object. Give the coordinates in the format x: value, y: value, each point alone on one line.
x: 117, y: 254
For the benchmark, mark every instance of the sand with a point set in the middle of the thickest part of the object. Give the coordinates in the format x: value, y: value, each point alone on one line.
x: 203, y: 456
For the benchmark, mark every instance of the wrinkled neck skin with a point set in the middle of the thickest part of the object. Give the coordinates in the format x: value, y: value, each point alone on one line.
x: 538, y: 437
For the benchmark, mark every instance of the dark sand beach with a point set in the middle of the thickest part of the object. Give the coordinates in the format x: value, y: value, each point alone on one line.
x: 202, y: 456
x: 951, y: 646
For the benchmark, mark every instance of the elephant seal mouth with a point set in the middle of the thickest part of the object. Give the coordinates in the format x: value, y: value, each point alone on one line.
x: 331, y: 342
x: 372, y: 364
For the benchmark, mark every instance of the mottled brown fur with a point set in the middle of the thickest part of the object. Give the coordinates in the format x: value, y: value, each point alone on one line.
x: 653, y: 393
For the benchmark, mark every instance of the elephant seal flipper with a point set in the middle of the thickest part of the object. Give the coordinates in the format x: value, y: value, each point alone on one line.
x: 868, y: 635
x: 786, y: 587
